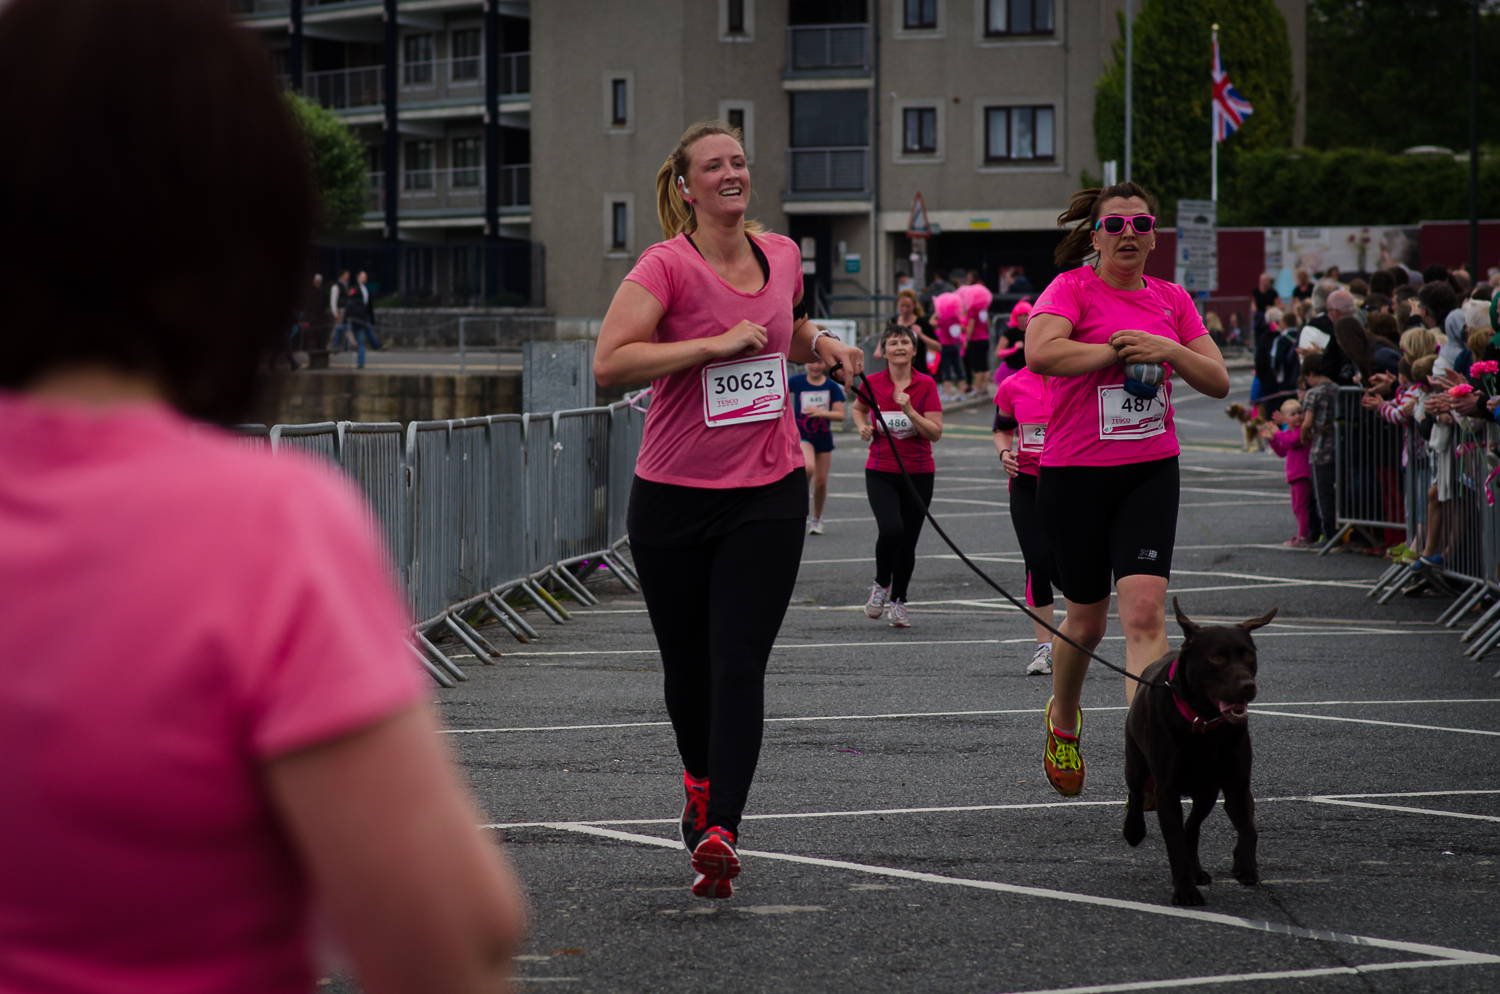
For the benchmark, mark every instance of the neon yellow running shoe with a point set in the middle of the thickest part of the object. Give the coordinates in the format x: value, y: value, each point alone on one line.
x: 1063, y: 762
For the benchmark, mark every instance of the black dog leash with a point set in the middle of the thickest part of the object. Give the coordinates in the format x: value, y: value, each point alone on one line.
x: 869, y: 398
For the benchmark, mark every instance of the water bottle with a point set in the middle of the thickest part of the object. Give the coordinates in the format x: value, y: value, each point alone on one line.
x: 1143, y: 378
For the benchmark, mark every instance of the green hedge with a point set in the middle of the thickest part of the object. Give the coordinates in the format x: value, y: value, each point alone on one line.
x: 1280, y: 188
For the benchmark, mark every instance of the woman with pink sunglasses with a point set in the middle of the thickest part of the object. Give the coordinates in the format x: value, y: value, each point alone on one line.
x: 1110, y: 338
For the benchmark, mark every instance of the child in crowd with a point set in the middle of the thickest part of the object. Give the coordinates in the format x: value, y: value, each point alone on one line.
x: 1285, y: 436
x: 1317, y: 433
x: 817, y: 402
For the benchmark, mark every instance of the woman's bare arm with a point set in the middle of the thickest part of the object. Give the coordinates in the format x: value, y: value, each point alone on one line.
x: 1050, y: 351
x: 420, y: 897
x: 625, y: 353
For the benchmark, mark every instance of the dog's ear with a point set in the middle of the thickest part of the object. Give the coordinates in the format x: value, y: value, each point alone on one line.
x: 1189, y: 627
x: 1260, y: 622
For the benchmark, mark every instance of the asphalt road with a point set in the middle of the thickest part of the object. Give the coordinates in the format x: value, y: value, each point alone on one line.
x: 901, y: 835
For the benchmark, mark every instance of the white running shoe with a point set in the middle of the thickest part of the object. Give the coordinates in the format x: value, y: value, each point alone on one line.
x: 1041, y: 663
x: 898, y: 615
x: 815, y: 527
x: 879, y: 598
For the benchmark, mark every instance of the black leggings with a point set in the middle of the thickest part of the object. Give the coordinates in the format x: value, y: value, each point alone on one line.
x: 1034, y: 548
x: 716, y: 609
x: 899, y: 519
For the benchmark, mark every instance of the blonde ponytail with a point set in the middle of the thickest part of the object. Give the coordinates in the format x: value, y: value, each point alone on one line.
x: 676, y: 214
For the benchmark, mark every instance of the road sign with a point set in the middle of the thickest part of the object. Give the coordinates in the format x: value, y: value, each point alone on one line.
x: 917, y: 225
x: 1197, y: 245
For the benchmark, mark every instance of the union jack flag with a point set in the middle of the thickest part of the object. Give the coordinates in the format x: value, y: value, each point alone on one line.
x: 1230, y: 109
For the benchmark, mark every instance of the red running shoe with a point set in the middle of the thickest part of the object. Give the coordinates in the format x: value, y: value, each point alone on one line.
x: 695, y: 812
x: 717, y: 863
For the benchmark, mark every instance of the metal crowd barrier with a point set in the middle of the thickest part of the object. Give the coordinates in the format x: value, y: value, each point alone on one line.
x: 479, y: 510
x: 1457, y: 460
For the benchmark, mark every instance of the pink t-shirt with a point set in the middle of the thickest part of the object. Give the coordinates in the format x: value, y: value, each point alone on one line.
x: 1095, y: 422
x: 916, y: 451
x: 678, y: 446
x: 1025, y: 396
x: 178, y: 609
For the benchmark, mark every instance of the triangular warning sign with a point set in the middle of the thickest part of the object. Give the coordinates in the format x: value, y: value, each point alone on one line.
x: 917, y: 226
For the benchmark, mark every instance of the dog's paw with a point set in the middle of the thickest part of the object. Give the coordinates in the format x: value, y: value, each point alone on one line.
x: 1201, y: 877
x: 1187, y: 895
x: 1249, y: 876
x: 1135, y: 824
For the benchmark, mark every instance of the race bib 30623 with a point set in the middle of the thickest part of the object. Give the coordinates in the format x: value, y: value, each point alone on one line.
x: 738, y: 391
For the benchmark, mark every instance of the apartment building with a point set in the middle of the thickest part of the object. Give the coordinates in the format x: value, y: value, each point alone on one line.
x: 850, y: 108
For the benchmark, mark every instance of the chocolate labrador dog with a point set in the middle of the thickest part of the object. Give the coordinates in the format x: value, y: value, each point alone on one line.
x: 1191, y: 738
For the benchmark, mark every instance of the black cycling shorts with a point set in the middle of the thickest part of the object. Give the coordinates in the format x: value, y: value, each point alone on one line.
x: 1108, y: 520
x: 977, y: 357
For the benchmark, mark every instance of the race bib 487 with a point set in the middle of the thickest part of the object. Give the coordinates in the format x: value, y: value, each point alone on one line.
x: 1123, y: 416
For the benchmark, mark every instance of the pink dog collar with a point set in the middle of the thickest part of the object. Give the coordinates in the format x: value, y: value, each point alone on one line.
x: 1200, y: 725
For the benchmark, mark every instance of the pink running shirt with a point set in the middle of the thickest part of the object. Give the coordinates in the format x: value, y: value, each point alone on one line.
x: 178, y: 610
x: 916, y: 451
x: 1025, y: 396
x: 678, y: 447
x: 976, y: 298
x: 1083, y: 406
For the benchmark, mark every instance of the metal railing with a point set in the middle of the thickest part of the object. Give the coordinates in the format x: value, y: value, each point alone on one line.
x: 810, y: 48
x: 478, y: 511
x: 455, y: 187
x: 1386, y: 483
x: 254, y: 7
x: 828, y: 170
x: 431, y: 79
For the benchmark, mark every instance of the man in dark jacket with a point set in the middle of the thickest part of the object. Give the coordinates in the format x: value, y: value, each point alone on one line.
x: 1333, y: 364
x: 360, y: 314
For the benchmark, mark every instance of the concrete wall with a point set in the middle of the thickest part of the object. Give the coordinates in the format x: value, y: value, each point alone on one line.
x: 334, y: 395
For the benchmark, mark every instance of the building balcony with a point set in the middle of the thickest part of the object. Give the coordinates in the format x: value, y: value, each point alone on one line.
x: 828, y: 173
x: 434, y: 81
x: 258, y: 8
x: 432, y: 192
x: 828, y: 49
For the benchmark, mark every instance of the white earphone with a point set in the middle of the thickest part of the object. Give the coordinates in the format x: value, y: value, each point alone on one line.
x: 682, y: 185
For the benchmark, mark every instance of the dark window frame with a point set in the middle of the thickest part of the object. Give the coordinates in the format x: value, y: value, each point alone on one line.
x: 907, y: 114
x: 619, y: 102
x: 926, y: 15
x: 735, y: 112
x: 418, y: 72
x: 465, y: 67
x: 619, y: 221
x: 1050, y: 6
x: 991, y: 159
x: 735, y: 17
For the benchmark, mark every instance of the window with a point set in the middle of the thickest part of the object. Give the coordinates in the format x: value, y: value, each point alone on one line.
x: 468, y: 163
x: 466, y: 49
x: 1018, y: 17
x: 735, y: 17
x: 736, y: 20
x: 416, y: 68
x: 1013, y: 134
x: 741, y: 114
x: 619, y: 103
x: 736, y: 119
x: 830, y: 118
x: 417, y: 174
x: 920, y: 14
x: 919, y: 129
x: 619, y: 225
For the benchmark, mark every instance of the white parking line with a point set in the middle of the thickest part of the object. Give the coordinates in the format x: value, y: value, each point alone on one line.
x: 1235, y: 978
x: 1371, y: 721
x: 1254, y: 709
x: 1446, y: 956
x: 1402, y: 808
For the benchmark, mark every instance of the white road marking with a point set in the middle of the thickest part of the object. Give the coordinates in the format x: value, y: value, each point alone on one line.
x: 1407, y: 810
x: 1372, y: 721
x: 1235, y: 978
x: 1254, y: 709
x: 1447, y: 955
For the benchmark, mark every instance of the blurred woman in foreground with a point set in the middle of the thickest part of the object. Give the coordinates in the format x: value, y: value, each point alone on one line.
x: 208, y: 709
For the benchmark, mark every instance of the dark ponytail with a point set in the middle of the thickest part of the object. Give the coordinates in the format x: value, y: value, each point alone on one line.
x: 1083, y: 213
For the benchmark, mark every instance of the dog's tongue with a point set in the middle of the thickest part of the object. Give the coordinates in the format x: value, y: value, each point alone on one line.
x: 1233, y: 712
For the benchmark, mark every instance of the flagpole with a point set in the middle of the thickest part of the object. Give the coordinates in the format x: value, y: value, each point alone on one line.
x: 1213, y: 131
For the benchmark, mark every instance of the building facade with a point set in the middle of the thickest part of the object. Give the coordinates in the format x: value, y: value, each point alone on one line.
x: 849, y: 107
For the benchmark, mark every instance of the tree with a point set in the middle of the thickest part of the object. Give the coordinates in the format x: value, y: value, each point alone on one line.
x: 1173, y: 92
x: 1393, y: 74
x: 339, y: 175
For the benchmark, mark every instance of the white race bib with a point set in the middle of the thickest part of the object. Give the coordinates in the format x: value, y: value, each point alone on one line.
x: 1123, y: 416
x: 899, y: 425
x: 1032, y: 436
x: 816, y: 398
x: 739, y: 391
